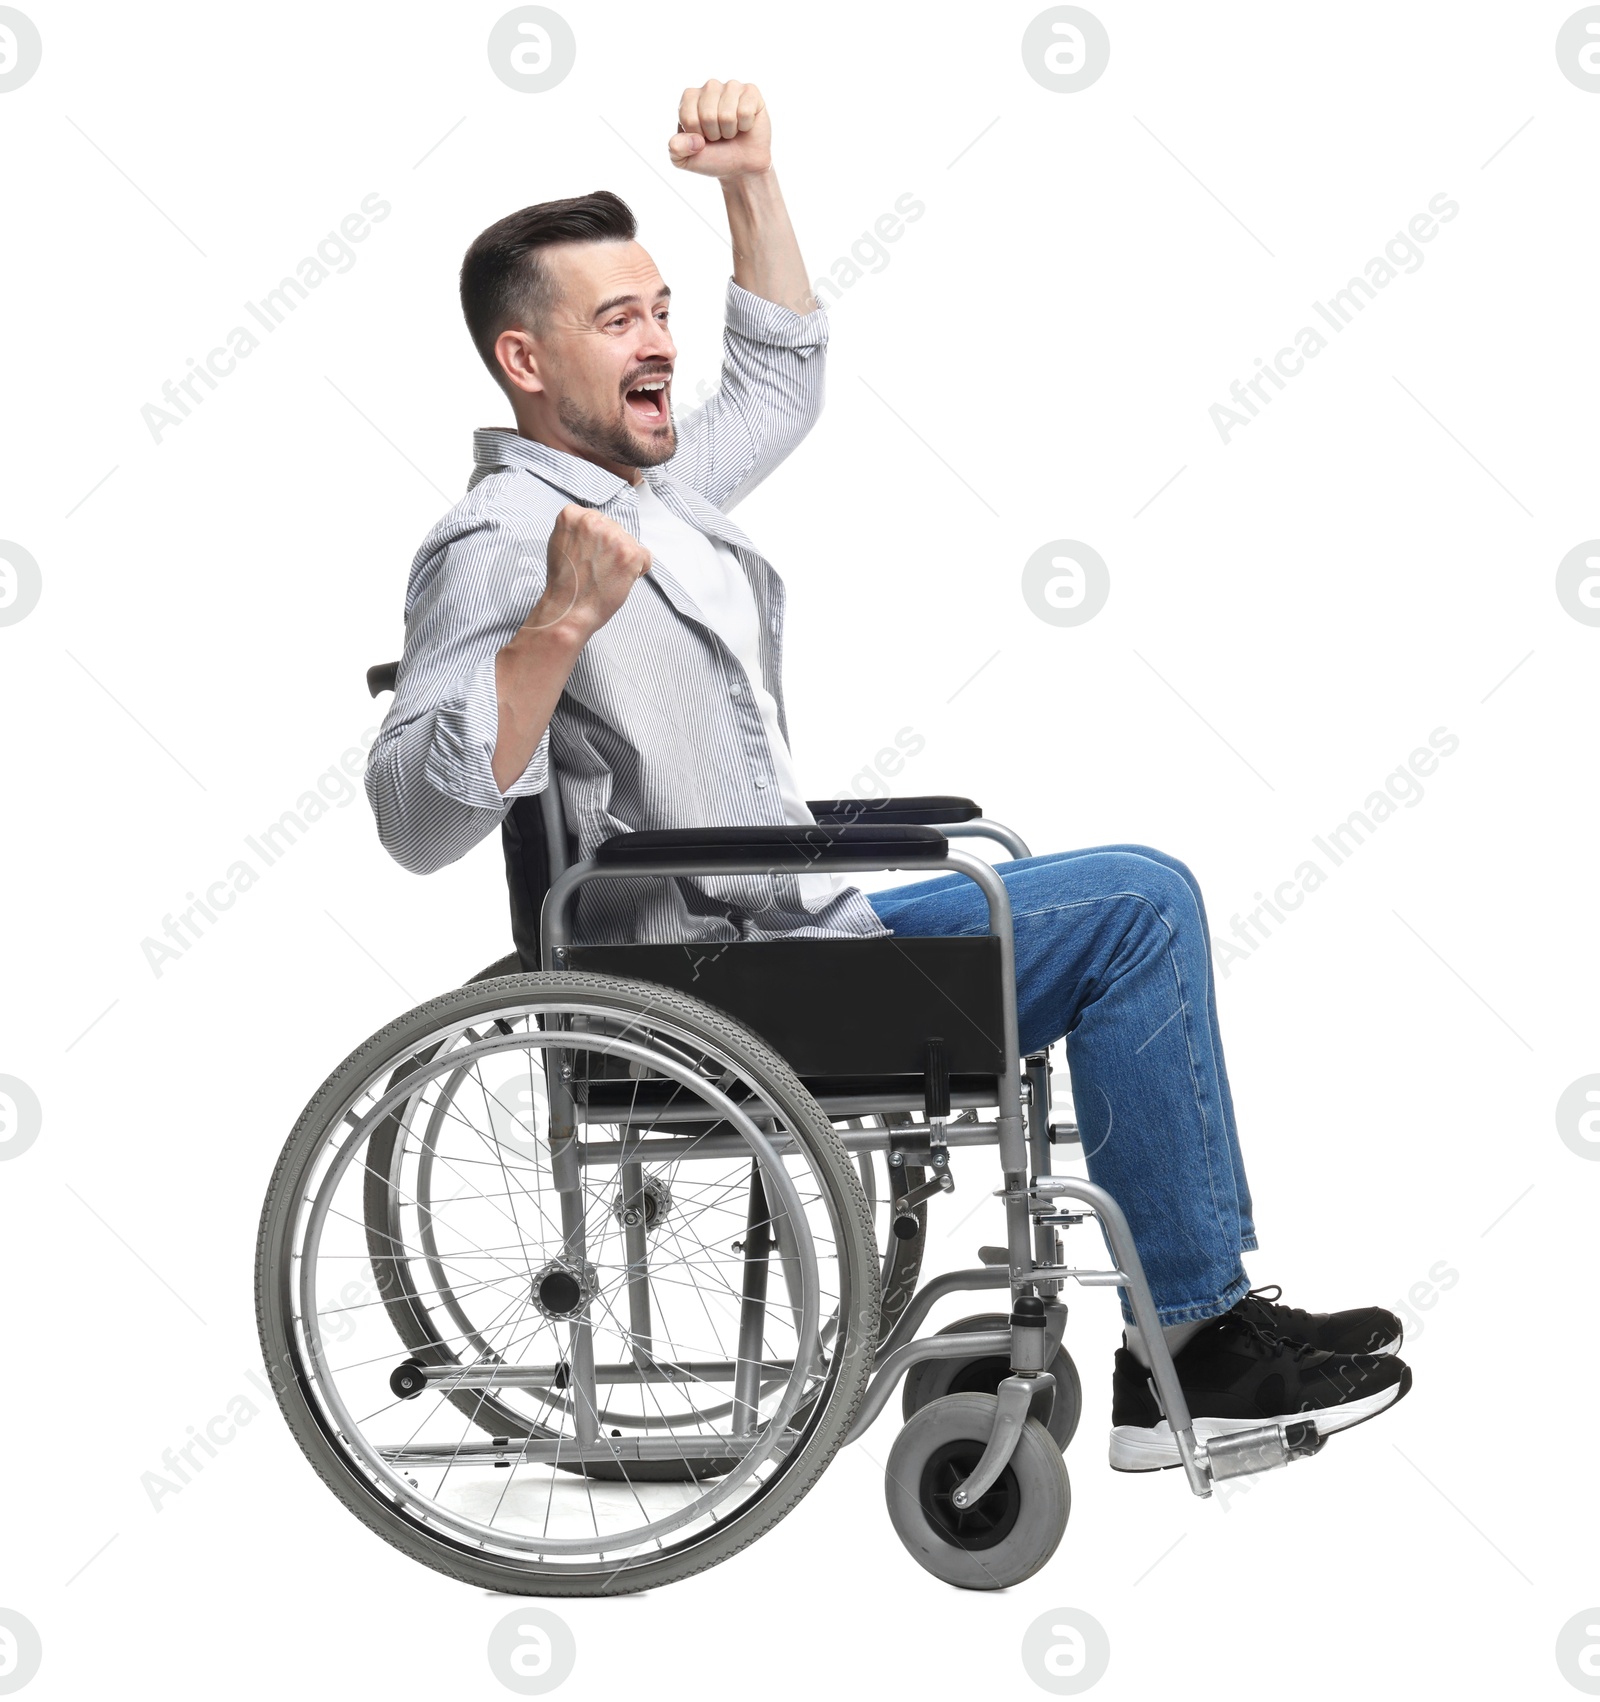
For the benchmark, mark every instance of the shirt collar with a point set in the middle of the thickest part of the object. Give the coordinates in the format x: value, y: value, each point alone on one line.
x: 500, y: 446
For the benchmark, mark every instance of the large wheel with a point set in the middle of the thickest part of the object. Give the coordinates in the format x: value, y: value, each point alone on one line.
x: 931, y: 1379
x: 620, y: 1304
x: 1010, y: 1531
x: 424, y: 1316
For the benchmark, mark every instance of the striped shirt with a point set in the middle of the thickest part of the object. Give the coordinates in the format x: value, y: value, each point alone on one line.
x: 658, y: 726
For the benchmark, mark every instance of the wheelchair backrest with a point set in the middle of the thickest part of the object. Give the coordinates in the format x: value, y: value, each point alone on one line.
x: 533, y: 837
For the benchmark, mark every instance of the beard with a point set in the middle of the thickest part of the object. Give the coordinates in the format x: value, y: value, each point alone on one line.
x: 615, y: 438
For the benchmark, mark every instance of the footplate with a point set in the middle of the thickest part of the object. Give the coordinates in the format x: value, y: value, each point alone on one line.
x: 1262, y: 1449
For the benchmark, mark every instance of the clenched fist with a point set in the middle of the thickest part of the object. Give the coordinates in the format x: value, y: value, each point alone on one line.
x: 723, y: 131
x: 591, y: 566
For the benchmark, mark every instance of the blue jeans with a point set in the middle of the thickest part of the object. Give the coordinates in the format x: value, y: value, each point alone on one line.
x: 1114, y: 953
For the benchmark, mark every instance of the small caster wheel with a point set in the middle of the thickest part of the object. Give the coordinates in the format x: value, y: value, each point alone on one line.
x: 1010, y: 1531
x: 929, y: 1379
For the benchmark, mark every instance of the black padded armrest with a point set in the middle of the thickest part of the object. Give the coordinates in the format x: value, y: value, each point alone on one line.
x: 789, y: 849
x: 381, y: 676
x: 930, y: 811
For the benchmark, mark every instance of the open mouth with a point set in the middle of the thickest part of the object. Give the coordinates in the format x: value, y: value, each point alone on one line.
x: 647, y: 401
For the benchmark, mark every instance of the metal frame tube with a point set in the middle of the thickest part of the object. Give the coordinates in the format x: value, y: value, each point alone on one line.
x: 636, y: 1249
x: 555, y: 826
x: 977, y: 1345
x: 580, y: 1335
x: 1133, y: 1283
x: 752, y: 1307
x: 680, y: 1149
x: 930, y: 1294
x: 1044, y: 1234
x: 487, y: 1375
x: 983, y: 828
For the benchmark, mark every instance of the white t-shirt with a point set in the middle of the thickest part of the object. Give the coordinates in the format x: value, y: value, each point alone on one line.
x: 710, y: 572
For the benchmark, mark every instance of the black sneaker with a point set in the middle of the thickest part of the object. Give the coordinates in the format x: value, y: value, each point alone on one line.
x: 1236, y: 1375
x: 1362, y: 1329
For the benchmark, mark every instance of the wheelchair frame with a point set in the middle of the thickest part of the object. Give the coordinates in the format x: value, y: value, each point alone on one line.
x: 1032, y: 1269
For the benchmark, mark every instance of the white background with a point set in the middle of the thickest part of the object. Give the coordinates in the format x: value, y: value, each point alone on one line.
x: 1295, y: 612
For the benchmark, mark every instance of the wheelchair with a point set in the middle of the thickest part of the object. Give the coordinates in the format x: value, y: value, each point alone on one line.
x: 572, y: 1281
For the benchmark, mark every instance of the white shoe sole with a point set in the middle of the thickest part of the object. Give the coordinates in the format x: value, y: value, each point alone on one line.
x: 1137, y: 1449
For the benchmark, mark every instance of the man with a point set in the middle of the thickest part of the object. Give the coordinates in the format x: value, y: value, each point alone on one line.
x: 588, y: 607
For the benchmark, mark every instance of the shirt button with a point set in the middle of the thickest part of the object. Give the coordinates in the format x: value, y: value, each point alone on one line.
x: 761, y: 785
x: 734, y: 690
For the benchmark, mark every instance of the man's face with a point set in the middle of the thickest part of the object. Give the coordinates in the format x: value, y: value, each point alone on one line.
x: 605, y: 355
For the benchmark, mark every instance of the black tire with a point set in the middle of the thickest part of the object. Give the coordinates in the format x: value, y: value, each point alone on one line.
x: 827, y: 1418
x: 1010, y: 1531
x: 933, y: 1379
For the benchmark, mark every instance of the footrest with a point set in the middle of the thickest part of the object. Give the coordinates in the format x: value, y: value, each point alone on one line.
x: 1262, y: 1449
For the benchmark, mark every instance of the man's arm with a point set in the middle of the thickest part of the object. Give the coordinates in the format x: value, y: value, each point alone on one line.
x: 724, y: 132
x: 772, y: 376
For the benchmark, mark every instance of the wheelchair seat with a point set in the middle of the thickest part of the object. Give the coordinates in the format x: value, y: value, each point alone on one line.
x: 851, y: 1016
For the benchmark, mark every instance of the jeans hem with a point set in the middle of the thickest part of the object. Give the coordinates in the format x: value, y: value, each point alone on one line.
x: 1198, y: 1311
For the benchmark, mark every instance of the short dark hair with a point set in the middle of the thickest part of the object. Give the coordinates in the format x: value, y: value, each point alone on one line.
x: 503, y: 281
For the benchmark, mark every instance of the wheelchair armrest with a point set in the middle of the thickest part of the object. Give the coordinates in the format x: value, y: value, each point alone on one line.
x: 793, y: 849
x: 928, y: 811
x: 381, y: 676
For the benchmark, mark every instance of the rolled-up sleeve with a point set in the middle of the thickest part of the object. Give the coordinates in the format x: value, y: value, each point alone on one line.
x: 769, y: 397
x: 430, y: 777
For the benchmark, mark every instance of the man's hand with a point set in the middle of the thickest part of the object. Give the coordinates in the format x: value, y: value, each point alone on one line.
x: 591, y: 566
x: 723, y: 131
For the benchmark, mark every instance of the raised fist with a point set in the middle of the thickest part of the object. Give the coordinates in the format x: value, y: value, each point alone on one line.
x: 723, y: 131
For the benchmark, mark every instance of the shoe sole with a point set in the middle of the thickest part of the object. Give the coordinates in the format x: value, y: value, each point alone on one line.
x: 1136, y: 1448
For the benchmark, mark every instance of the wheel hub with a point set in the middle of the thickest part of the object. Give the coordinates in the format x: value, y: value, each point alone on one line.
x: 564, y: 1287
x: 984, y: 1522
x: 649, y: 1205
